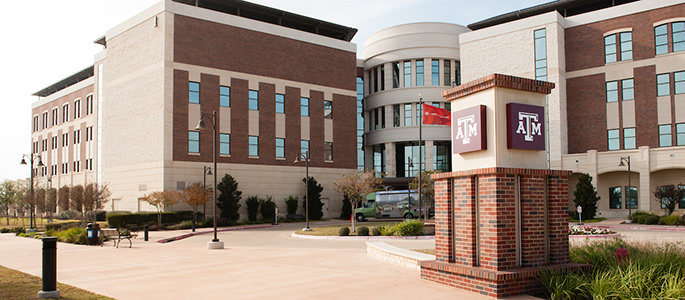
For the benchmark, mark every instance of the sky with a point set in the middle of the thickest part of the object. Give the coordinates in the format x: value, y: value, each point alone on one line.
x: 44, y: 41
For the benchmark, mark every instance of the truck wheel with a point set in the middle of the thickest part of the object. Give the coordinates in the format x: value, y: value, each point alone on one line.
x: 360, y: 217
x: 408, y: 216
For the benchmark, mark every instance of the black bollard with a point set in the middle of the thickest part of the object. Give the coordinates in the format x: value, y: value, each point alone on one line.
x: 145, y: 229
x: 49, y: 269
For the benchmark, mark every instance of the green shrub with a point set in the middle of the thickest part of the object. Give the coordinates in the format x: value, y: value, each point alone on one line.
x: 344, y: 231
x: 62, y: 225
x: 670, y: 220
x: 252, y: 203
x: 363, y: 231
x: 5, y: 230
x: 137, y: 220
x: 635, y: 215
x: 291, y: 203
x: 386, y: 230
x: 74, y: 235
x: 376, y: 232
x: 18, y: 230
x: 651, y: 220
x: 267, y: 208
x: 641, y: 219
x: 409, y: 228
x: 68, y: 215
x: 186, y: 224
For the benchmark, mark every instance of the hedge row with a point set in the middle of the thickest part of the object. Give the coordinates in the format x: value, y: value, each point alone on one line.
x: 146, y: 218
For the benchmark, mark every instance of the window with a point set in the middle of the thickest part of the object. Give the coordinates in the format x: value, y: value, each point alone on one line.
x: 304, y: 147
x: 77, y: 137
x: 678, y: 29
x: 379, y: 160
x: 612, y: 91
x: 407, y: 115
x: 89, y: 104
x: 447, y: 70
x: 419, y: 114
x: 45, y: 120
x: 628, y: 90
x: 665, y: 139
x: 328, y: 151
x: 610, y: 48
x: 679, y: 82
x: 441, y: 161
x: 419, y: 72
x: 77, y: 109
x: 327, y: 109
x: 448, y: 106
x: 382, y: 78
x: 224, y: 96
x: 280, y: 103
x: 457, y: 72
x: 193, y: 141
x: 280, y: 148
x: 193, y: 92
x: 680, y: 134
x: 35, y: 123
x: 629, y: 138
x: 663, y: 87
x: 382, y: 109
x: 304, y: 107
x: 540, y: 37
x: 681, y: 203
x: 626, y: 45
x: 224, y: 144
x: 375, y: 79
x: 615, y: 197
x: 613, y: 139
x: 89, y: 133
x: 253, y: 100
x: 631, y: 196
x: 65, y: 113
x: 665, y: 200
x: 435, y: 72
x: 661, y: 39
x: 55, y: 116
x: 407, y: 74
x: 396, y: 115
x: 253, y: 145
x: 395, y: 74
x: 375, y: 119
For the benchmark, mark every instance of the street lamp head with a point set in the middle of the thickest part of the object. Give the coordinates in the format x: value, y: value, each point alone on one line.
x: 209, y: 171
x: 621, y: 164
x: 201, y: 125
x: 23, y: 161
x: 40, y: 162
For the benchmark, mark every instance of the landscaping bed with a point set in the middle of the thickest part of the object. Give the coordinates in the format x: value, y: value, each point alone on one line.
x: 405, y: 228
x: 18, y: 285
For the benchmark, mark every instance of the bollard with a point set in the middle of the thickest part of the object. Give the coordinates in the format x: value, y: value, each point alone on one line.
x: 275, y: 222
x: 145, y: 229
x: 193, y: 221
x: 49, y: 269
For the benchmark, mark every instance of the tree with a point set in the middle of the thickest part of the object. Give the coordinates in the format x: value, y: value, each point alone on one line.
x: 355, y: 186
x: 427, y: 190
x: 51, y: 202
x: 668, y: 196
x: 586, y: 196
x: 95, y: 197
x: 195, y: 195
x: 315, y: 204
x: 7, y: 197
x: 229, y: 198
x: 76, y: 199
x: 39, y: 197
x: 267, y: 207
x: 63, y: 198
x: 160, y: 200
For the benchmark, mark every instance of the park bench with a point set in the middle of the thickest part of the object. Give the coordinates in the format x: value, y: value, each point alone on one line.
x: 112, y: 234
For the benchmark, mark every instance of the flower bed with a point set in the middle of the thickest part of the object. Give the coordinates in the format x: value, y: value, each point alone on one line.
x: 588, y: 230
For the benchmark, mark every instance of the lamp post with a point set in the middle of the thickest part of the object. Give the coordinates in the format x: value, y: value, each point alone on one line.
x: 40, y: 164
x: 205, y: 171
x: 215, y: 243
x: 629, y: 202
x: 420, y: 159
x: 300, y: 157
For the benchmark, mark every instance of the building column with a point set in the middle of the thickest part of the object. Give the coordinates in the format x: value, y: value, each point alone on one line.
x: 430, y: 155
x: 390, y: 162
x: 640, y: 164
x: 368, y: 157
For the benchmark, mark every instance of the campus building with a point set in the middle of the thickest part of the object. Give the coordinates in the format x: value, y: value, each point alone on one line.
x: 619, y: 70
x: 280, y: 84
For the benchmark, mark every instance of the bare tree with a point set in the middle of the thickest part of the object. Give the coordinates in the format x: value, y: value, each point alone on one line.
x: 668, y: 196
x: 95, y: 197
x: 50, y: 202
x: 160, y: 200
x: 63, y: 198
x: 427, y: 189
x: 76, y: 199
x: 7, y: 197
x: 39, y: 201
x: 355, y: 186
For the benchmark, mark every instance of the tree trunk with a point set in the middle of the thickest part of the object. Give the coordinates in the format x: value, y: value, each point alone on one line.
x: 353, y: 218
x: 159, y: 219
x: 8, y: 216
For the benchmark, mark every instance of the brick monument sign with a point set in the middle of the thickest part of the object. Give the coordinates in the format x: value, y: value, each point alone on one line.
x: 500, y: 216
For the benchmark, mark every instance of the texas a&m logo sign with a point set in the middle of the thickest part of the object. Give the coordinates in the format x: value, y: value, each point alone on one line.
x: 525, y: 127
x: 469, y: 130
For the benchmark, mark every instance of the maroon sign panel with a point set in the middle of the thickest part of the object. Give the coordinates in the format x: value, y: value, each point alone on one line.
x: 525, y: 126
x: 469, y: 130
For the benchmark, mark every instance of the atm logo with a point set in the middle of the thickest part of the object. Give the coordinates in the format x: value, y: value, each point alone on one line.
x: 469, y: 132
x: 525, y: 126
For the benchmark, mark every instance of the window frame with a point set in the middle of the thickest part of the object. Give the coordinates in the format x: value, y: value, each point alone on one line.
x: 419, y: 72
x: 223, y: 143
x: 193, y: 94
x: 435, y: 72
x: 663, y: 82
x: 192, y: 141
x: 328, y: 151
x: 680, y: 134
x: 629, y: 134
x: 407, y: 73
x: 407, y: 115
x: 304, y: 106
x: 253, y: 99
x: 678, y: 45
x: 679, y: 82
x: 304, y: 147
x: 611, y: 92
x: 627, y: 88
x: 224, y: 96
x: 327, y: 109
x: 624, y: 44
x: 616, y: 139
x: 281, y: 147
x: 279, y: 99
x: 253, y: 145
x: 629, y: 190
x: 665, y: 135
x: 608, y: 45
x: 615, y: 203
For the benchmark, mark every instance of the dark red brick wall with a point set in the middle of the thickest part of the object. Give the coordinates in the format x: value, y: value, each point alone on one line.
x: 586, y: 113
x: 208, y: 44
x: 646, y: 118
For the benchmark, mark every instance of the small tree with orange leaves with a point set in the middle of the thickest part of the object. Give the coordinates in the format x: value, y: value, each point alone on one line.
x: 355, y: 186
x: 195, y: 195
x: 162, y: 199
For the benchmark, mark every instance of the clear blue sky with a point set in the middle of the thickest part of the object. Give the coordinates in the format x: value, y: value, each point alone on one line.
x: 47, y: 40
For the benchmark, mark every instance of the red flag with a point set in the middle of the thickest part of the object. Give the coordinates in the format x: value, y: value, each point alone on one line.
x: 436, y: 115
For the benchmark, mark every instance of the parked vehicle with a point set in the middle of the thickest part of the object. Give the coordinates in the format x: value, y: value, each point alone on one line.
x: 389, y: 204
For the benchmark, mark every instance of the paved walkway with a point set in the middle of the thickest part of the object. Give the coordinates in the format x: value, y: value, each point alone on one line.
x: 256, y: 264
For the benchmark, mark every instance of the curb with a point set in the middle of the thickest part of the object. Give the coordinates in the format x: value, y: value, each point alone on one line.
x: 643, y: 228
x: 333, y: 237
x: 397, y: 256
x: 594, y: 236
x: 187, y: 235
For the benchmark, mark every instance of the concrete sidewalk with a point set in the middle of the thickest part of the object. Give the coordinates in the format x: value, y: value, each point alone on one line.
x: 256, y: 264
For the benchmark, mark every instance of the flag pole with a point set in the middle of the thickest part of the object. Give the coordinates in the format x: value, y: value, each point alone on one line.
x: 420, y: 158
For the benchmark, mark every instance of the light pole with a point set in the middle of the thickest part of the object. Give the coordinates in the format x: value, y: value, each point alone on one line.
x: 629, y: 202
x: 215, y: 243
x: 40, y: 164
x: 420, y: 159
x: 205, y: 171
x: 305, y: 156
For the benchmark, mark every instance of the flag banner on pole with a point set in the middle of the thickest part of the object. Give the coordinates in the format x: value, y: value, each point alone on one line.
x: 436, y: 115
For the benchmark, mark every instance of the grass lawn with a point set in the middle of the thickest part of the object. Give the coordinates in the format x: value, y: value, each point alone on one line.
x: 18, y: 285
x: 333, y: 230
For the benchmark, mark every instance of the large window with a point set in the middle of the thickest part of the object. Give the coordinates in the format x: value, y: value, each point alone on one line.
x: 419, y: 72
x: 396, y: 74
x: 280, y: 148
x: 396, y: 115
x: 663, y: 87
x: 680, y: 134
x: 89, y: 104
x: 193, y: 142
x: 77, y: 108
x: 679, y: 82
x: 224, y: 144
x: 629, y: 138
x: 661, y: 39
x: 407, y: 115
x: 304, y: 147
x: 375, y: 79
x: 447, y: 70
x: 253, y: 145
x: 435, y: 72
x: 540, y: 54
x: 304, y: 106
x: 253, y: 100
x: 612, y: 91
x: 615, y: 197
x: 193, y: 92
x: 407, y: 73
x: 681, y: 203
x: 382, y: 78
x: 628, y: 90
x: 678, y: 29
x: 610, y: 48
x: 631, y: 196
x: 442, y: 156
x: 375, y: 119
x: 613, y: 139
x: 665, y: 138
x: 327, y: 109
x: 379, y: 160
x: 280, y: 103
x: 328, y: 151
x: 55, y: 116
x: 411, y: 159
x: 65, y: 113
x: 224, y: 96
x: 626, y: 45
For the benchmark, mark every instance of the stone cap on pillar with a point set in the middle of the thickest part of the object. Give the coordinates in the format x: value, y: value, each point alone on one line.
x: 498, y: 80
